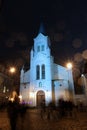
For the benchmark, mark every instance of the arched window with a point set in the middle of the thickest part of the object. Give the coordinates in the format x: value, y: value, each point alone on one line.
x: 37, y: 72
x: 43, y: 71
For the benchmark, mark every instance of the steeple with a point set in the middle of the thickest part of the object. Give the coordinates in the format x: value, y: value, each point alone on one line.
x: 42, y: 29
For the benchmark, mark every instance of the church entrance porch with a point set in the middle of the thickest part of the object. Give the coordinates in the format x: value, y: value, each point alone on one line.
x: 40, y: 97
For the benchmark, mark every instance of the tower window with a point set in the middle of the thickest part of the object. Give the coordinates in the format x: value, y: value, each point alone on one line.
x: 43, y: 71
x: 37, y: 72
x: 38, y: 48
x: 42, y: 48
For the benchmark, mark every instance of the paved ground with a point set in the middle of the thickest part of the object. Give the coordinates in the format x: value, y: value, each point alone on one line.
x: 33, y: 121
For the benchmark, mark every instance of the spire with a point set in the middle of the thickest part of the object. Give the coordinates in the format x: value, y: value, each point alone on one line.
x: 42, y: 29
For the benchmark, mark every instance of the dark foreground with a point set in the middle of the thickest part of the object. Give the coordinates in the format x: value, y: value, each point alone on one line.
x: 34, y: 120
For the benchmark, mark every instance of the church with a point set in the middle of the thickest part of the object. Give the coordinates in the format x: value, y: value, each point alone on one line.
x: 45, y: 80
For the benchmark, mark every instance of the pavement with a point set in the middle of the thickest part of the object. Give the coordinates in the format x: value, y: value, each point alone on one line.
x: 33, y: 120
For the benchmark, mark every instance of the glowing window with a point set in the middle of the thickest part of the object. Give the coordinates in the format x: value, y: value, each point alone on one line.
x: 37, y: 72
x: 43, y: 71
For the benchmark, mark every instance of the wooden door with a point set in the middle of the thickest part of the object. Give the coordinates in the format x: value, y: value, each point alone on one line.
x: 40, y: 97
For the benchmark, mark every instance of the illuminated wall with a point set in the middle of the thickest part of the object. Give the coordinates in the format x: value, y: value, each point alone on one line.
x: 44, y: 75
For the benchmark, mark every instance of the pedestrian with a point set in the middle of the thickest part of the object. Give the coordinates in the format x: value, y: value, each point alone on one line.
x: 43, y: 108
x: 12, y: 110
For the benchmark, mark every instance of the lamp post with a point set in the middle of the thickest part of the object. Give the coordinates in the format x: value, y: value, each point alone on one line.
x: 84, y: 81
x: 12, y: 71
x: 70, y: 80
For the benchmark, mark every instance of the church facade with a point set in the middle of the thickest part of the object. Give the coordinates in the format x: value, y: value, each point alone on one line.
x: 45, y: 80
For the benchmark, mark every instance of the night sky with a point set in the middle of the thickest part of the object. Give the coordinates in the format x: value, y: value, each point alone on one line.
x: 65, y: 22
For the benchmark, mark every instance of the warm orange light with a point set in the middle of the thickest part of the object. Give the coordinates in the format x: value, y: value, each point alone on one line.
x: 11, y: 99
x: 69, y: 65
x: 12, y: 70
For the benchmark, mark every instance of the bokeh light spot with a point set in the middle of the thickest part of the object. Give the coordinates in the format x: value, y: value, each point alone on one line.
x: 78, y: 57
x: 77, y: 43
x: 84, y: 54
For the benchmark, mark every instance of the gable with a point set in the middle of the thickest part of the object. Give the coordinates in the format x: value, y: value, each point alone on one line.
x: 40, y: 36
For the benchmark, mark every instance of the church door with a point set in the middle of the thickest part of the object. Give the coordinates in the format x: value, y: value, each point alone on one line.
x: 40, y: 97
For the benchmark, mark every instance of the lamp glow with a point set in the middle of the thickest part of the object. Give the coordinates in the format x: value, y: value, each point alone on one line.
x: 12, y: 70
x: 69, y: 65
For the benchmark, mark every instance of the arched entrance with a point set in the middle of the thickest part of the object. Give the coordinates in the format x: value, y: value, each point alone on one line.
x: 40, y: 97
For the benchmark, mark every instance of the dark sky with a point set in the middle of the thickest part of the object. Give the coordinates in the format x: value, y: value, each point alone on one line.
x: 65, y: 22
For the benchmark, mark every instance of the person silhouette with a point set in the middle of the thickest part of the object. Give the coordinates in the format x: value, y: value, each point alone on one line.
x: 12, y: 110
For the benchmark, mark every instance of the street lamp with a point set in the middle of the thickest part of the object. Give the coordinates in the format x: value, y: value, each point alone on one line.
x: 20, y: 98
x: 70, y: 80
x: 84, y: 81
x: 69, y: 65
x: 12, y: 70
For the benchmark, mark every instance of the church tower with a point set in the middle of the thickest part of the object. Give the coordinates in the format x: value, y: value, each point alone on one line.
x: 40, y: 68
